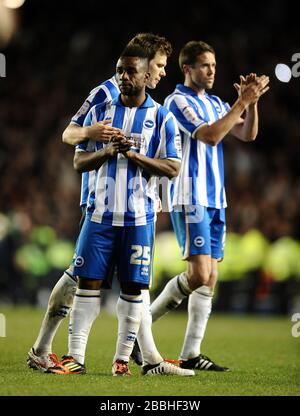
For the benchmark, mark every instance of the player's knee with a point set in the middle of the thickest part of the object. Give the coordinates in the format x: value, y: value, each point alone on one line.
x: 131, y: 288
x: 89, y: 284
x: 213, y: 279
x: 198, y: 278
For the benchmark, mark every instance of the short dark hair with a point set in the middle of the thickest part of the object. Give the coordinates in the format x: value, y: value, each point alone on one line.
x: 191, y: 50
x: 134, y: 51
x: 152, y: 44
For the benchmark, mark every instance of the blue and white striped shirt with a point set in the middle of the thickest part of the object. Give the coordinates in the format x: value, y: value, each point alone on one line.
x: 125, y: 194
x: 201, y: 177
x: 104, y: 93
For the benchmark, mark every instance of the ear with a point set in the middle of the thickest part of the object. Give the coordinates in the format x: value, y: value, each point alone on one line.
x: 147, y: 76
x: 186, y: 69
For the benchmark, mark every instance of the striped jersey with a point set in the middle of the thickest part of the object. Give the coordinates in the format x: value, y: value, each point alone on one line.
x: 105, y: 92
x: 124, y: 194
x: 201, y: 177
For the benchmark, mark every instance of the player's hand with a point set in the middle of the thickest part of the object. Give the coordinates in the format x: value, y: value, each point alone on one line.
x: 252, y: 87
x: 251, y: 78
x: 239, y: 86
x: 129, y: 154
x: 112, y: 149
x: 263, y: 83
x: 102, y: 131
x: 246, y: 80
x: 121, y: 142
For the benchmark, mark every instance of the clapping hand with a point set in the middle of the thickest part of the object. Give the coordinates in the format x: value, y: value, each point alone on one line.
x: 252, y: 87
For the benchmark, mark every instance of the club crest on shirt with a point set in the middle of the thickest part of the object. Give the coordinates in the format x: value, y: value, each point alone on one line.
x: 79, y: 261
x: 199, y: 241
x: 148, y: 124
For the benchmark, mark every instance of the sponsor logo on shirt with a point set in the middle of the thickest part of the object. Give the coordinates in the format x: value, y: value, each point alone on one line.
x: 177, y: 143
x: 137, y: 142
x: 189, y: 113
x: 83, y: 109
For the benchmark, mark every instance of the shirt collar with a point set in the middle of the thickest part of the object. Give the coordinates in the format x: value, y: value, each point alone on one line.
x: 187, y: 90
x: 146, y: 104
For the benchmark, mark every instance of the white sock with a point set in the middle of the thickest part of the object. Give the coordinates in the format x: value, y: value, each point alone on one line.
x: 85, y: 310
x: 145, y: 337
x: 59, y: 305
x: 172, y: 295
x: 199, y: 309
x: 129, y: 312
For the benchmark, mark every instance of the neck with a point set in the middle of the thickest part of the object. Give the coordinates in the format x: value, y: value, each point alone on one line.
x: 193, y: 86
x: 133, y: 101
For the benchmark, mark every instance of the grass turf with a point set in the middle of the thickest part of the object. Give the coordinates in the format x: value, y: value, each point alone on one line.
x: 261, y: 352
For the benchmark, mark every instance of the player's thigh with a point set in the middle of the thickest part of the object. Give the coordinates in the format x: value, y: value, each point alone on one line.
x: 135, y: 254
x: 94, y: 250
x: 70, y: 269
x: 218, y: 233
x: 192, y: 229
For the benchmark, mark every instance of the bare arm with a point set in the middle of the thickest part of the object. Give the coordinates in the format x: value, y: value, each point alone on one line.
x: 159, y: 167
x: 214, y: 133
x: 100, y: 131
x: 246, y: 129
x: 86, y: 161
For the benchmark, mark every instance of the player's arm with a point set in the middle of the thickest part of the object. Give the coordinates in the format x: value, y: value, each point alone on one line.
x: 158, y: 167
x: 214, y: 133
x: 78, y: 132
x: 247, y: 128
x: 100, y: 131
x: 85, y: 161
x: 86, y: 156
x: 167, y: 161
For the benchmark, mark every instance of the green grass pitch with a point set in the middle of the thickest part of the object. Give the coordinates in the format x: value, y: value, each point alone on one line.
x: 261, y: 351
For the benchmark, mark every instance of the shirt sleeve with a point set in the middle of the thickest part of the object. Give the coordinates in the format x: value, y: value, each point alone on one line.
x: 226, y: 107
x: 186, y: 114
x: 96, y: 96
x: 88, y: 145
x: 170, y: 138
x: 222, y: 107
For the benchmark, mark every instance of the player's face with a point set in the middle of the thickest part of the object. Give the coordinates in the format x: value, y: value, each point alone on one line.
x: 132, y: 75
x: 157, y: 69
x: 203, y: 72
